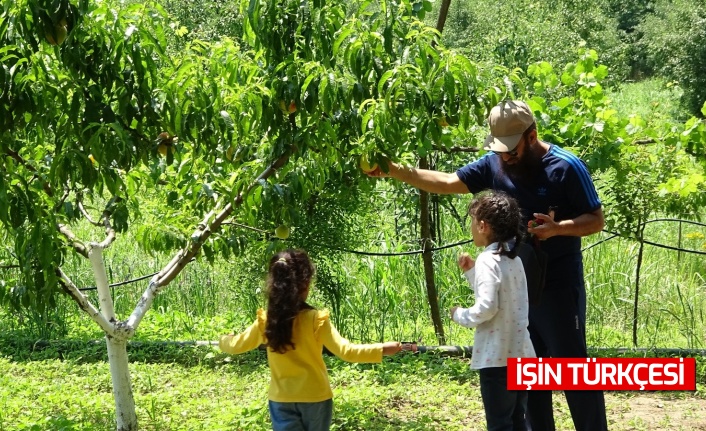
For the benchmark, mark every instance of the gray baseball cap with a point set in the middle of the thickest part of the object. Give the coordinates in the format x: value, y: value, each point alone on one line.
x: 508, y: 121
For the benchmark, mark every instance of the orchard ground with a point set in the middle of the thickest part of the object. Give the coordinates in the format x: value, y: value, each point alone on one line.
x: 657, y: 411
x: 202, y: 389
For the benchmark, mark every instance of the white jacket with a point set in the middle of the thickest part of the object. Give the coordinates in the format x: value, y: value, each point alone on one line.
x: 500, y: 312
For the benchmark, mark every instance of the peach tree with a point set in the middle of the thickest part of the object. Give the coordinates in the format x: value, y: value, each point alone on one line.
x: 95, y: 108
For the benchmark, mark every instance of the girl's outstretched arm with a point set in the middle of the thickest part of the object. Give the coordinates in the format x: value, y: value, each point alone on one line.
x: 486, y: 282
x: 391, y: 347
x: 346, y: 350
x: 247, y: 340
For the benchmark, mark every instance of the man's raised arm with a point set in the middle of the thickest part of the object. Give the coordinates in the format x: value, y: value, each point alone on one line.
x: 437, y: 182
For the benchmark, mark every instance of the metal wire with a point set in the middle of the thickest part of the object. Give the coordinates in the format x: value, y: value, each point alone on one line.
x: 456, y: 244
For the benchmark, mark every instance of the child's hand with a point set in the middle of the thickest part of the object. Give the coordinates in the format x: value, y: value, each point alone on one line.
x: 453, y: 311
x: 465, y: 262
x: 410, y: 346
x: 391, y: 347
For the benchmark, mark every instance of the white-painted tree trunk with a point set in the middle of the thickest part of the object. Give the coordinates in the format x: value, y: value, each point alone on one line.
x: 125, y: 414
x: 116, y: 342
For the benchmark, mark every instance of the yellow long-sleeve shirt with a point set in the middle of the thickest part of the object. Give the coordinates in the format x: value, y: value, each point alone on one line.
x: 300, y: 375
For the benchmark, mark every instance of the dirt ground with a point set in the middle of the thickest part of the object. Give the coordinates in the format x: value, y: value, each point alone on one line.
x: 660, y: 411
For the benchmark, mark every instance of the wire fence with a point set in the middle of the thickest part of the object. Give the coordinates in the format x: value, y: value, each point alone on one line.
x: 613, y: 235
x: 462, y: 350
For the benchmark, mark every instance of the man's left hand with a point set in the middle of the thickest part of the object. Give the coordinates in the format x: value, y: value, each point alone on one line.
x: 544, y: 226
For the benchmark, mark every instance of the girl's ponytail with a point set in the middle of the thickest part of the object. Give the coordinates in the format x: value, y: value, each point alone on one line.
x: 513, y: 250
x: 290, y: 273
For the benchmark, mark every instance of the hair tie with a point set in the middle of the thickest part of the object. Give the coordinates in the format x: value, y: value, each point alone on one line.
x: 281, y: 259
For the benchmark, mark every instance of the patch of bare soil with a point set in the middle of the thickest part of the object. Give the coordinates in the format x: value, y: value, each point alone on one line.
x: 660, y: 411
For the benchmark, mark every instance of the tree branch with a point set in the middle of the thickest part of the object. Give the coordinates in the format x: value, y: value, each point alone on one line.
x: 644, y: 141
x: 16, y: 156
x: 199, y: 237
x: 244, y: 226
x: 450, y: 150
x: 133, y: 132
x: 109, y: 231
x: 78, y: 246
x: 443, y: 13
x: 88, y: 216
x: 58, y: 205
x: 70, y: 288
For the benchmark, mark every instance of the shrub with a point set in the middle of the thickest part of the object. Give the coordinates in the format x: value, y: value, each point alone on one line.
x: 628, y: 15
x: 520, y: 33
x: 673, y: 44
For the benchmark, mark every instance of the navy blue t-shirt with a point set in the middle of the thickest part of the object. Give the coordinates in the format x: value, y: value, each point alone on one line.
x: 564, y: 184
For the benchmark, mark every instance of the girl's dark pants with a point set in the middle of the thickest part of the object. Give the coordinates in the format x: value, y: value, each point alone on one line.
x: 504, y: 410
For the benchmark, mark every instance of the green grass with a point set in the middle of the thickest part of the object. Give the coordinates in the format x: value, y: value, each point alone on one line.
x: 650, y: 99
x: 671, y: 303
x: 194, y: 389
x: 224, y: 393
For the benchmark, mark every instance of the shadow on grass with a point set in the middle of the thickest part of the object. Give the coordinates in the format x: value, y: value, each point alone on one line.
x: 189, y: 354
x: 91, y: 351
x: 202, y: 354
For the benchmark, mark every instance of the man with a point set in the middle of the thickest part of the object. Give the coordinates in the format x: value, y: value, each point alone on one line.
x: 554, y: 187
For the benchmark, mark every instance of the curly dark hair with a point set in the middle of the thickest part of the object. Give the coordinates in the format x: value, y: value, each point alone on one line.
x: 290, y: 273
x: 503, y: 214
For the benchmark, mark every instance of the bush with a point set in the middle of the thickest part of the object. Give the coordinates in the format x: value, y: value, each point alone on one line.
x: 672, y: 41
x: 517, y: 34
x: 629, y: 14
x: 206, y: 19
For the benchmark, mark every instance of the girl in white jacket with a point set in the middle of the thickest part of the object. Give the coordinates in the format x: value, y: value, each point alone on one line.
x: 500, y: 311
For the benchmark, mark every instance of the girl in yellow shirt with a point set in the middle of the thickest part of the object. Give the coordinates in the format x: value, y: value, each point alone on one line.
x: 300, y: 396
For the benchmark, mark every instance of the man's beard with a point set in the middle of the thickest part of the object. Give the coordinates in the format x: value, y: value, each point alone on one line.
x: 526, y: 169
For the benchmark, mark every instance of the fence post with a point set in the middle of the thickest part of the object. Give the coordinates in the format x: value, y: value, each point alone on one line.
x: 637, y: 292
x: 679, y: 244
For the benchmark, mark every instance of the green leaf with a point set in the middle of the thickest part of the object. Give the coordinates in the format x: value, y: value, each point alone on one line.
x: 341, y: 38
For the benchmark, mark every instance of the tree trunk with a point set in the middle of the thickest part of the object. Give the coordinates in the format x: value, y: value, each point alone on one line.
x: 637, y: 291
x: 428, y: 259
x: 125, y: 414
x: 443, y: 13
x: 119, y: 332
x: 426, y: 229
